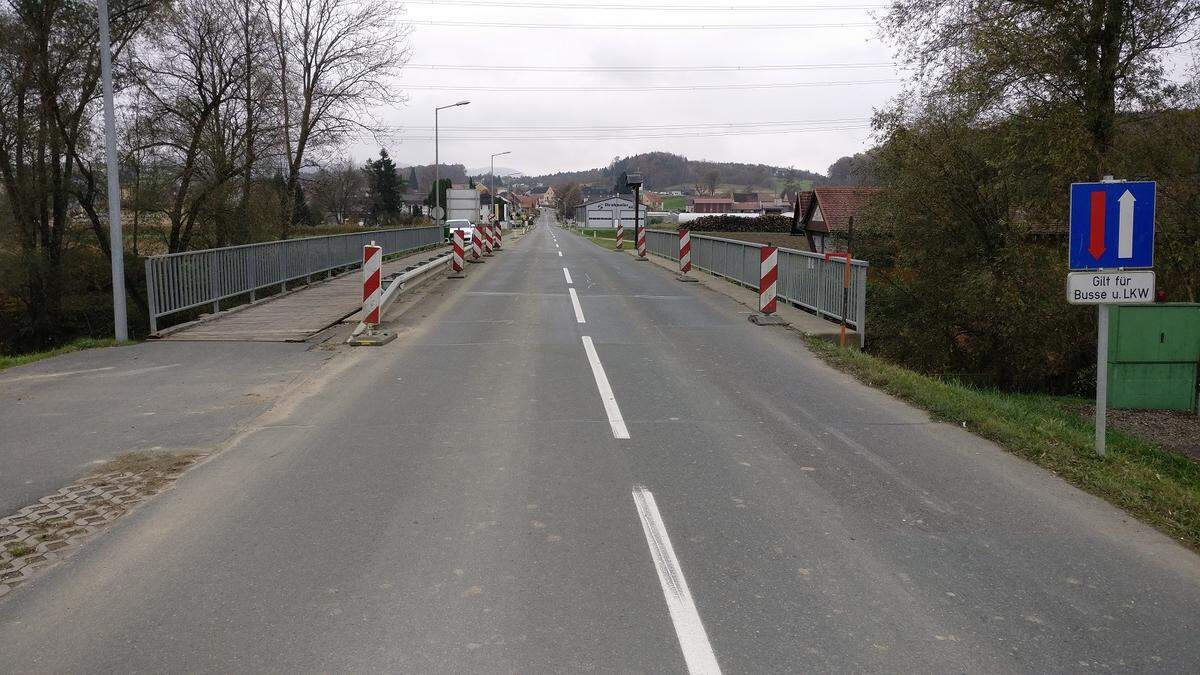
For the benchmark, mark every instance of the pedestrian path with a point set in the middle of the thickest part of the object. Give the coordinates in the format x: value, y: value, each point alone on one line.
x: 292, y: 317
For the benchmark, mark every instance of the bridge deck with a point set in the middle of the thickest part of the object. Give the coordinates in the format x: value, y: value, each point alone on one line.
x: 293, y: 317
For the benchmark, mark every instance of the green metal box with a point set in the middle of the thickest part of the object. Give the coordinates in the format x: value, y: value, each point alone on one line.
x: 1152, y: 386
x: 1153, y: 355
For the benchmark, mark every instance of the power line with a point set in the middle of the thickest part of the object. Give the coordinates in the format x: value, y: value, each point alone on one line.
x: 684, y: 87
x: 647, y: 26
x: 636, y: 127
x: 657, y: 8
x: 650, y: 69
x: 698, y: 134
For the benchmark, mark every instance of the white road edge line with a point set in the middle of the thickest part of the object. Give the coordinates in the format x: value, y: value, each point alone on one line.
x: 575, y: 305
x: 567, y: 274
x: 606, y: 393
x: 697, y: 652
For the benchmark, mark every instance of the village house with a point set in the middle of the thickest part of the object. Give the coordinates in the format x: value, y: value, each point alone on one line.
x: 825, y: 220
x: 712, y: 205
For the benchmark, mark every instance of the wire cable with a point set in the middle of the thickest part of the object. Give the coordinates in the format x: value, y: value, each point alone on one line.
x: 682, y: 87
x: 646, y: 7
x: 649, y: 69
x: 647, y: 26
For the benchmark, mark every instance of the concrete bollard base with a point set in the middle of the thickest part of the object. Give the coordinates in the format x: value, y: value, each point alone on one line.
x: 371, y: 339
x: 686, y: 278
x: 767, y: 320
x: 457, y: 275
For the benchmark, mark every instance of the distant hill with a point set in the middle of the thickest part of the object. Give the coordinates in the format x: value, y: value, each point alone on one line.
x: 665, y: 171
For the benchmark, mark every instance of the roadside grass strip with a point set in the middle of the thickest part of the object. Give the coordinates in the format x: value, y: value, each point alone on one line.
x: 74, y: 346
x: 1159, y: 487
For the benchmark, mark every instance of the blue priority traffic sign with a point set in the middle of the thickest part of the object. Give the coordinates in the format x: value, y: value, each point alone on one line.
x: 1112, y: 225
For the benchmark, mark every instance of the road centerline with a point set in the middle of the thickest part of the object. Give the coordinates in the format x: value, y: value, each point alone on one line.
x: 567, y: 274
x: 576, y: 306
x: 693, y: 640
x: 619, y: 430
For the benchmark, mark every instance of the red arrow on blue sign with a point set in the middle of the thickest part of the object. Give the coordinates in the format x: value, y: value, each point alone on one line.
x: 1096, y: 237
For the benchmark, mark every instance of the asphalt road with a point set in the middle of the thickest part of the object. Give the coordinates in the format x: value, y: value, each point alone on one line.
x: 61, y: 417
x: 463, y: 500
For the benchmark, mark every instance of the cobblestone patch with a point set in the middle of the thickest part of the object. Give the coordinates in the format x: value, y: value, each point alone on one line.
x: 39, y: 535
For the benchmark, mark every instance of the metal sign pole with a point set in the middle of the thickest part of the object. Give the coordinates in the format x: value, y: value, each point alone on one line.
x: 1101, y: 379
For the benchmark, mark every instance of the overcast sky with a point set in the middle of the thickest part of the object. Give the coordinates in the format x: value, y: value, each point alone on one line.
x: 825, y: 121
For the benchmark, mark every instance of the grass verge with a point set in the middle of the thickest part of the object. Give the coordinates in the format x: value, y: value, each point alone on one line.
x: 1157, y: 486
x: 7, y: 362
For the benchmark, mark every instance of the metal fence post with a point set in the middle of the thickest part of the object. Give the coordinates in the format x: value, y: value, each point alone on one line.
x: 151, y: 296
x: 214, y: 283
x: 862, y: 309
x: 283, y: 267
x: 253, y: 276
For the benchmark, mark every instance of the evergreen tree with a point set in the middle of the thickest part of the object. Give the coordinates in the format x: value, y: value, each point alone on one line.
x: 442, y: 185
x: 412, y: 179
x: 384, y: 187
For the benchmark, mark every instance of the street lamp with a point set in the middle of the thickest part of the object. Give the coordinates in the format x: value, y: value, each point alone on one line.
x: 634, y: 180
x: 437, y: 193
x: 492, y: 180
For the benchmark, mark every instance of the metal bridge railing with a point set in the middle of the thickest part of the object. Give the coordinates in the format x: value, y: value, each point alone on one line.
x: 180, y: 281
x: 806, y: 280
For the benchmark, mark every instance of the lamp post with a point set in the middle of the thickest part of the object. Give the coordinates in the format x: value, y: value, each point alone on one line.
x: 634, y: 180
x: 492, y: 181
x: 115, y: 241
x: 437, y: 178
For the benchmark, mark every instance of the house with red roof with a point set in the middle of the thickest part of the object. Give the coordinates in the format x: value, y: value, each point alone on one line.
x: 825, y: 220
x: 712, y: 205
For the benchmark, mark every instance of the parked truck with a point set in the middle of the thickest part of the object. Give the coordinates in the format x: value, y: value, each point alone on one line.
x: 461, y: 205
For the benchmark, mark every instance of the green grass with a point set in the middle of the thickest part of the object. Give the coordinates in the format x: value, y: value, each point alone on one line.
x: 674, y: 203
x: 7, y: 362
x: 606, y: 238
x: 1159, y: 487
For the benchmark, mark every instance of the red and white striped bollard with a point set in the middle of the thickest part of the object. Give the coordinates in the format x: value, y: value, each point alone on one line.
x: 685, y: 256
x: 768, y: 273
x: 640, y: 241
x: 372, y: 286
x: 620, y: 237
x: 456, y: 256
x: 476, y: 246
x: 487, y: 239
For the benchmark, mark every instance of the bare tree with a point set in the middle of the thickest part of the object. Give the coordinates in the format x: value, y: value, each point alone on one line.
x: 334, y: 59
x: 712, y: 179
x: 339, y: 190
x: 49, y: 88
x: 190, y: 79
x: 991, y: 59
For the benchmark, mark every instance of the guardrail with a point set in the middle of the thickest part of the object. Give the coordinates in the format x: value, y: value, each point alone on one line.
x: 395, y: 285
x: 806, y: 280
x: 176, y: 282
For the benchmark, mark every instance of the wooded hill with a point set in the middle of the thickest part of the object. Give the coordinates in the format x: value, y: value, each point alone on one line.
x: 664, y: 170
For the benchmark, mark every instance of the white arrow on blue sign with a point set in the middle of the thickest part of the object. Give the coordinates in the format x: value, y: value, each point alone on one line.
x: 1112, y: 225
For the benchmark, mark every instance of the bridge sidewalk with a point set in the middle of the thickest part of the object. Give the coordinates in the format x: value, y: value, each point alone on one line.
x: 291, y: 317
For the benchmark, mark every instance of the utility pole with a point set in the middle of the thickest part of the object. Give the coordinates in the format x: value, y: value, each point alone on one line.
x: 492, y: 181
x: 116, y: 241
x: 438, y: 219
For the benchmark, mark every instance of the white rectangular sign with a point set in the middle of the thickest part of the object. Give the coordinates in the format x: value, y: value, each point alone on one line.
x: 1110, y: 288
